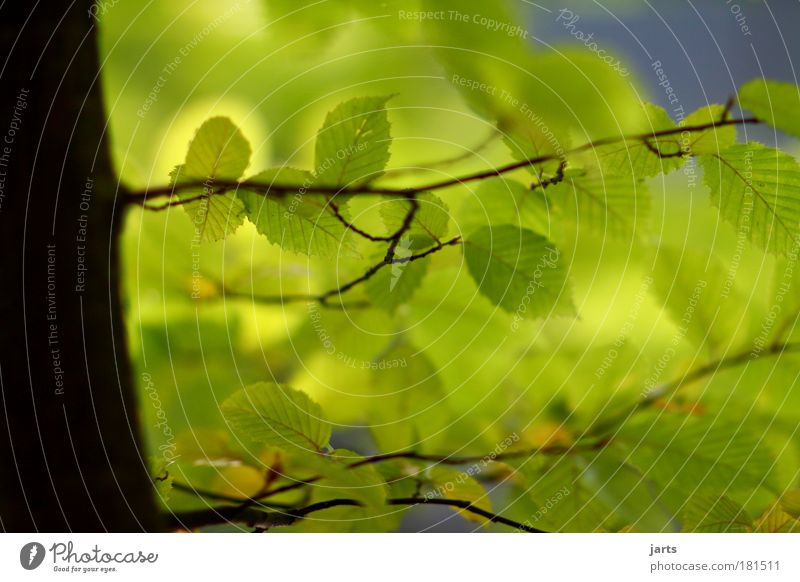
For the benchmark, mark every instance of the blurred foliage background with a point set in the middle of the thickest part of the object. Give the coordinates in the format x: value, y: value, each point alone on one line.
x: 276, y: 67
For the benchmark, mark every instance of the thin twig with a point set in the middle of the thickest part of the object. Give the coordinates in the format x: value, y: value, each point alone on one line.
x: 404, y: 227
x: 350, y: 226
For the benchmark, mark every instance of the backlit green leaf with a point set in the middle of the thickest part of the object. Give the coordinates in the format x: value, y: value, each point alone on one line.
x: 353, y: 144
x: 218, y: 151
x: 757, y: 190
x: 529, y: 140
x: 518, y: 270
x: 299, y: 222
x: 777, y: 520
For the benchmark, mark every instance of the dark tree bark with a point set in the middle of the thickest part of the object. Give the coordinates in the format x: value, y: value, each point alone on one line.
x: 69, y: 435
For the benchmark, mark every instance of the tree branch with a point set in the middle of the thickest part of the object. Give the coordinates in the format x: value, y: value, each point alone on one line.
x: 281, y: 190
x: 350, y: 226
x: 264, y: 520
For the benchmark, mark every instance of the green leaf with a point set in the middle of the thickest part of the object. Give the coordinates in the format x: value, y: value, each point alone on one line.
x: 431, y: 219
x: 395, y: 284
x: 704, y: 514
x: 279, y: 416
x: 691, y: 454
x: 352, y: 146
x: 447, y: 483
x: 634, y: 157
x: 775, y: 102
x: 299, y: 222
x: 560, y: 498
x: 615, y: 206
x: 218, y: 151
x: 757, y: 190
x: 626, y: 492
x: 712, y: 140
x: 519, y: 270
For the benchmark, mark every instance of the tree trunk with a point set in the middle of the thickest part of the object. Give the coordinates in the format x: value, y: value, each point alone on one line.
x: 72, y: 458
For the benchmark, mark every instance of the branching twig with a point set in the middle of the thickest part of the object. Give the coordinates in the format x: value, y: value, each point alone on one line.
x: 388, y: 260
x: 657, y: 151
x: 350, y: 226
x: 323, y: 298
x: 404, y: 227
